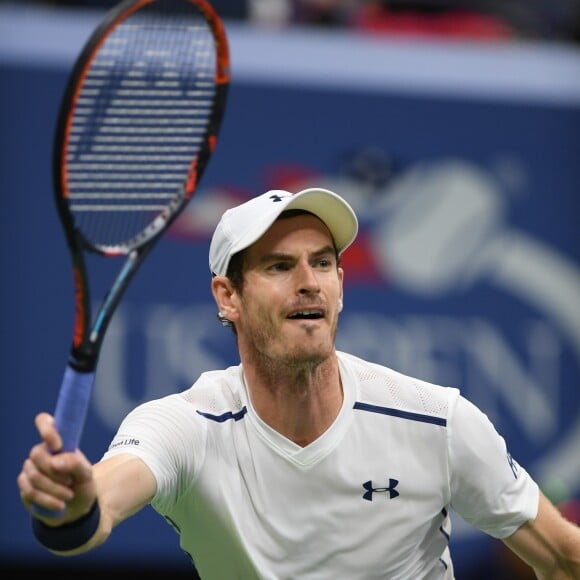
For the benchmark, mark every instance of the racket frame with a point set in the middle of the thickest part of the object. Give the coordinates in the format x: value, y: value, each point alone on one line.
x: 88, y: 335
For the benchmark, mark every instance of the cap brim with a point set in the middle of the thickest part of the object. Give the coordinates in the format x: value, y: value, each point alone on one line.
x: 338, y: 216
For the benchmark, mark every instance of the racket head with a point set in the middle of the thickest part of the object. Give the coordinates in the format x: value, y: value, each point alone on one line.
x: 138, y: 122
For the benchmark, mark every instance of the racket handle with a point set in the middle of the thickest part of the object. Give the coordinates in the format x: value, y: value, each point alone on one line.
x: 72, y: 405
x: 70, y: 414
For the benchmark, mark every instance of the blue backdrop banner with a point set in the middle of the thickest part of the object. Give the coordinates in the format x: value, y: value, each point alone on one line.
x: 463, y: 164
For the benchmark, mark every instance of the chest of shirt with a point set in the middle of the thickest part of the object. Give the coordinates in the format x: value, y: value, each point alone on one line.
x: 375, y: 471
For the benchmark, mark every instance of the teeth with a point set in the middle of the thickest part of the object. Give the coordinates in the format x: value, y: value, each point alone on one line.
x: 306, y: 313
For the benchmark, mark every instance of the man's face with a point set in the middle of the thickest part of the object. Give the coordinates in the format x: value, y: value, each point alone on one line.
x: 289, y: 305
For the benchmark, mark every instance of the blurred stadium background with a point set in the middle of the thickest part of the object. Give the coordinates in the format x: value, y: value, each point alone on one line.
x: 453, y: 127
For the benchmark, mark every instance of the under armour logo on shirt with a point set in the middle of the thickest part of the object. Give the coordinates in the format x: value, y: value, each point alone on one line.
x: 370, y: 490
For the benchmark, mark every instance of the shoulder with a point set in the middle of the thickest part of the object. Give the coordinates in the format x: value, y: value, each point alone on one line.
x: 175, y: 415
x: 380, y: 385
x: 216, y: 392
x: 170, y: 433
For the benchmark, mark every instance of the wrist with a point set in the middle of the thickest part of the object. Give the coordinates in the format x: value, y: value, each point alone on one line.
x: 70, y: 535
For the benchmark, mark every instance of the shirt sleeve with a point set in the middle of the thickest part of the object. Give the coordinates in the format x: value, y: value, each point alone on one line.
x: 489, y: 489
x: 168, y: 436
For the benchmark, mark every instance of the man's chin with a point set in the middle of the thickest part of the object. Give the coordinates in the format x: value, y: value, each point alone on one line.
x: 307, y: 354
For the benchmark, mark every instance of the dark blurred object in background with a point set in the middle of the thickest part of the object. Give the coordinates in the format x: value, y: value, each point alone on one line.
x: 525, y: 19
x: 476, y: 19
x: 75, y: 572
x: 551, y: 20
x: 232, y: 9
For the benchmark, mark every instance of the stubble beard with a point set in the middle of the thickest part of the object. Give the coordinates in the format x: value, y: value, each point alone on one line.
x: 273, y: 356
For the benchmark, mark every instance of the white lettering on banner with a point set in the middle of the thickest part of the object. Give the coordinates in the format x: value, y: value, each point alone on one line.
x: 441, y: 226
x: 174, y: 344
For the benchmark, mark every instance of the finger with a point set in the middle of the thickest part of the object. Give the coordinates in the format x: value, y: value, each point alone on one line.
x: 54, y: 483
x: 55, y: 467
x: 73, y: 470
x: 39, y: 498
x: 38, y: 488
x: 48, y: 431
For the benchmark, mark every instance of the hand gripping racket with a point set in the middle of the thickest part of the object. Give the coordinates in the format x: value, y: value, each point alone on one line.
x: 137, y: 126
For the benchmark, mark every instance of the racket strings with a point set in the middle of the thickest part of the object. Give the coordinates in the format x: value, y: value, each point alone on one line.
x: 140, y: 119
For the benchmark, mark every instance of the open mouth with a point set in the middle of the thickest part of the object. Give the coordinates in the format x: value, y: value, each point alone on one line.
x: 307, y: 314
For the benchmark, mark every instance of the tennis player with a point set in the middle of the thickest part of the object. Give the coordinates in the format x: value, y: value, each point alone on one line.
x: 301, y: 462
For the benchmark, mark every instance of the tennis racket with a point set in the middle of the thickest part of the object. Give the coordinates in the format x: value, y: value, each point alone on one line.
x: 137, y: 126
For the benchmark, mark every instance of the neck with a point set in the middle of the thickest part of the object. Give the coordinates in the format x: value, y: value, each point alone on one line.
x: 299, y: 401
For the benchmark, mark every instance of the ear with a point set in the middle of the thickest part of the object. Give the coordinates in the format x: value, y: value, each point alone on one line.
x: 341, y: 283
x: 224, y: 296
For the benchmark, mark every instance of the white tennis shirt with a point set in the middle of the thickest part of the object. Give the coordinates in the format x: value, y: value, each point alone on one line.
x: 368, y: 499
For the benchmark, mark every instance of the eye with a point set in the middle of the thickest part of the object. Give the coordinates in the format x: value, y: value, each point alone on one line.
x: 324, y: 263
x: 279, y: 267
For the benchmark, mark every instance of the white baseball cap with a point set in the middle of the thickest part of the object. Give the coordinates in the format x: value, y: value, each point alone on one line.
x: 241, y: 226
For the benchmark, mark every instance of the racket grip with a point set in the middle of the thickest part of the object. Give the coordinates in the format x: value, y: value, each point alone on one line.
x: 72, y: 406
x: 69, y: 416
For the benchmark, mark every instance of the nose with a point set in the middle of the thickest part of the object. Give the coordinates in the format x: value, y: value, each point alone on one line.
x: 307, y: 280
